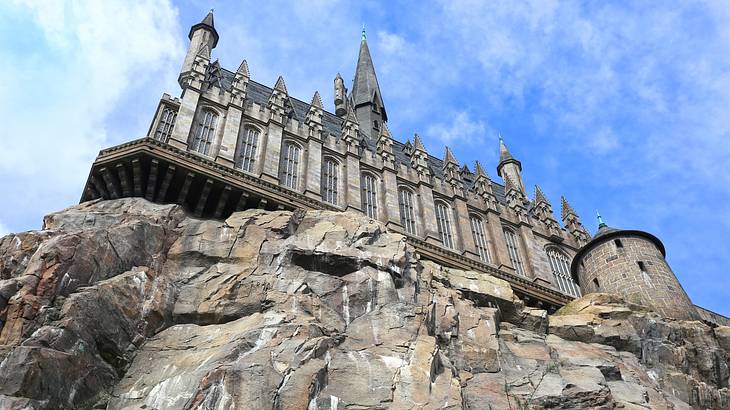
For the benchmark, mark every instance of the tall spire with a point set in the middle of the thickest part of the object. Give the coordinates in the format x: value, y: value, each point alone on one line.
x: 365, y: 88
x: 207, y: 24
x: 504, y: 153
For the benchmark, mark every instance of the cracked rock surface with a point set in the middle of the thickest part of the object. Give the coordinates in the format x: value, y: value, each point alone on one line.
x: 126, y: 304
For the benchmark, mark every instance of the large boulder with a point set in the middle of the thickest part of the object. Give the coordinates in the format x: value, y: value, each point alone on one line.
x: 127, y: 304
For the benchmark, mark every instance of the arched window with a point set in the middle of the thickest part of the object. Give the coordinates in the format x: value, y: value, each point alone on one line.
x: 407, y: 210
x: 369, y: 195
x: 560, y: 264
x: 290, y: 165
x: 330, y: 179
x: 248, y: 140
x: 204, y: 132
x: 443, y: 221
x: 165, y: 125
x: 514, y: 250
x: 480, y: 239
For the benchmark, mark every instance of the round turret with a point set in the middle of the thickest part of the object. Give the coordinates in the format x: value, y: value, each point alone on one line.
x: 631, y: 264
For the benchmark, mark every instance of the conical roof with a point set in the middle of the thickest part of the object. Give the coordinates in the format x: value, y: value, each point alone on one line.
x: 365, y: 88
x: 207, y: 24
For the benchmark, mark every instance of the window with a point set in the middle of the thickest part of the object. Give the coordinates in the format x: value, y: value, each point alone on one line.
x: 248, y: 140
x: 480, y: 240
x: 407, y: 211
x: 595, y: 282
x: 290, y: 165
x: 204, y: 132
x: 443, y: 221
x: 641, y: 267
x: 514, y: 251
x: 618, y: 243
x: 369, y: 195
x: 165, y: 125
x: 330, y: 175
x: 560, y: 265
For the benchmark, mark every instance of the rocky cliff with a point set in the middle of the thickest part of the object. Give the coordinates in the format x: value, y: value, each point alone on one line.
x: 127, y: 304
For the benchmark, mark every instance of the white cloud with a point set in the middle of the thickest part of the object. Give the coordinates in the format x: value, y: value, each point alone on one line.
x: 390, y: 43
x: 80, y: 59
x: 461, y: 130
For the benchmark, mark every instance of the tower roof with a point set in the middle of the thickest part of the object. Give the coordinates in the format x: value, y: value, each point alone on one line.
x: 207, y: 24
x: 505, y: 157
x: 365, y: 88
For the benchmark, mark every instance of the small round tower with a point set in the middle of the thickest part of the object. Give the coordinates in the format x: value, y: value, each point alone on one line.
x: 631, y: 264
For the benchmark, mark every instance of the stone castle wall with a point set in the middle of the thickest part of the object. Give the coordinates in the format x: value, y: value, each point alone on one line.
x: 612, y: 268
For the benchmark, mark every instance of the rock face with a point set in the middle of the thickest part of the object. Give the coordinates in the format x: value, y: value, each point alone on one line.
x: 126, y: 304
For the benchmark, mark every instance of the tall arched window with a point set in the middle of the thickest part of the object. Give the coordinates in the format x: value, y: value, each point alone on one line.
x: 165, y: 125
x: 204, y: 132
x: 290, y: 165
x: 407, y: 210
x: 248, y: 140
x: 560, y: 264
x: 480, y: 239
x: 514, y: 250
x: 330, y: 179
x: 443, y: 221
x: 369, y: 195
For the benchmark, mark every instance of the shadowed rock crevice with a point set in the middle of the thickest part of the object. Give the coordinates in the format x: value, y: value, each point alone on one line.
x: 312, y: 310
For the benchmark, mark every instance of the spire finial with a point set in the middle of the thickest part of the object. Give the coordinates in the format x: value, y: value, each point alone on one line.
x: 212, y: 10
x: 363, y: 31
x: 601, y: 224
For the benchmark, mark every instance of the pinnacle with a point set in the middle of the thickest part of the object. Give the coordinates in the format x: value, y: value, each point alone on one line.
x: 417, y: 143
x: 280, y: 85
x: 479, y: 171
x: 504, y: 153
x: 317, y: 100
x: 384, y: 131
x: 338, y: 76
x: 243, y: 69
x: 567, y: 209
x: 449, y: 157
x: 540, y: 196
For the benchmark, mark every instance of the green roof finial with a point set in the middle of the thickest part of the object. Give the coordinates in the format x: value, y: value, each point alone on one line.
x: 601, y: 224
x: 363, y: 31
x: 500, y: 137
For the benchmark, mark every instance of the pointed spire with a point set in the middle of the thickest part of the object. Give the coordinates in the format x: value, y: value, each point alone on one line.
x: 365, y: 88
x: 280, y: 85
x: 479, y: 171
x: 243, y: 69
x: 449, y: 157
x: 540, y: 196
x: 417, y: 143
x: 601, y: 224
x: 317, y: 100
x: 504, y: 153
x: 566, y: 208
x: 206, y: 24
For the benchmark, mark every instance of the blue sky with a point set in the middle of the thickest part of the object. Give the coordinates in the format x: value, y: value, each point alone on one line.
x: 620, y: 106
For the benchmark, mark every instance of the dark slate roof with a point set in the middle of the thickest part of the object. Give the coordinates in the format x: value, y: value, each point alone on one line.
x: 260, y: 94
x: 365, y: 85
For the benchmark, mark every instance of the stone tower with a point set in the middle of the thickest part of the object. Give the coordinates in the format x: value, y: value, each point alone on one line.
x: 203, y: 39
x: 631, y: 264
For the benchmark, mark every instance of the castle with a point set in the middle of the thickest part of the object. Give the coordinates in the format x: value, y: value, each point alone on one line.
x: 230, y: 143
